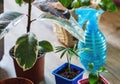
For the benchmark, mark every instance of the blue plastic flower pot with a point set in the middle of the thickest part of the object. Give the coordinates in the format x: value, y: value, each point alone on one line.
x: 62, y: 80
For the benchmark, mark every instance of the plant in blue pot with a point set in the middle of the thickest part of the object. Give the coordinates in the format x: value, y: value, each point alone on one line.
x: 68, y: 73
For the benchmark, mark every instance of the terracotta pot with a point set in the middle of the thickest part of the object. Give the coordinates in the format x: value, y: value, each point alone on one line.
x: 18, y: 80
x: 35, y: 74
x: 85, y: 81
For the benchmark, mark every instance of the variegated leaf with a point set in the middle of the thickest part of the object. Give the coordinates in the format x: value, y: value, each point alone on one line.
x: 26, y: 50
x: 7, y: 21
x: 70, y: 25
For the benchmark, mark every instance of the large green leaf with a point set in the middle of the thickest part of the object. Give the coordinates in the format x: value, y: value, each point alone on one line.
x: 53, y: 8
x: 7, y: 21
x: 108, y: 5
x: 45, y: 46
x: 61, y: 17
x: 70, y: 25
x: 26, y: 50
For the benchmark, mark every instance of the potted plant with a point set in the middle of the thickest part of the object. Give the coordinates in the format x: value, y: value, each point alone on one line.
x: 28, y: 53
x: 94, y: 77
x: 67, y: 73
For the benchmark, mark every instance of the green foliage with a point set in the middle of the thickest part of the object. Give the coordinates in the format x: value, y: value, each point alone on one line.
x: 85, y: 2
x: 80, y: 3
x: 26, y: 50
x: 69, y: 52
x: 94, y: 76
x: 45, y: 46
x: 76, y: 4
x: 27, y: 46
x: 102, y: 69
x: 108, y: 5
x: 66, y: 3
x: 20, y: 2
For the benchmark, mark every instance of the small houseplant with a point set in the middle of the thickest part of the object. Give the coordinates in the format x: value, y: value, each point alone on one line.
x: 94, y: 77
x: 28, y: 53
x: 67, y: 73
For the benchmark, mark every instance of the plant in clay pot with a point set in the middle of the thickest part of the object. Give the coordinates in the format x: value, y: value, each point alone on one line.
x: 68, y: 73
x: 28, y: 53
x: 94, y: 77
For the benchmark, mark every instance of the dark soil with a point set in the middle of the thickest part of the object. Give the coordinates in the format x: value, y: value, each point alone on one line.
x: 65, y: 72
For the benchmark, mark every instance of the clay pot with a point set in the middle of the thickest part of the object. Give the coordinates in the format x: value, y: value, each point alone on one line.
x: 18, y: 80
x: 35, y: 74
x: 85, y: 81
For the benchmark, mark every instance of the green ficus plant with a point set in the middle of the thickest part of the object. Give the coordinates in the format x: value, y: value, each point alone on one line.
x: 94, y: 77
x: 32, y: 47
x: 27, y: 47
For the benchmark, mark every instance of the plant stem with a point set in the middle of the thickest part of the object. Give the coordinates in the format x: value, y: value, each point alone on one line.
x: 29, y: 16
x: 69, y: 61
